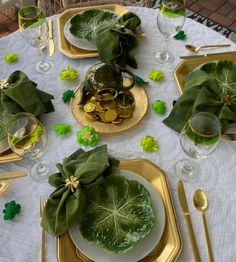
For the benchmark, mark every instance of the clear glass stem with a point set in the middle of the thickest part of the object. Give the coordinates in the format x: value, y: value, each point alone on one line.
x: 43, y: 62
x: 167, y: 40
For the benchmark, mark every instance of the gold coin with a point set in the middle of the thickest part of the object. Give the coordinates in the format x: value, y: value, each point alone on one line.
x: 107, y: 97
x: 103, y: 117
x: 99, y: 107
x: 110, y: 115
x: 89, y: 107
x: 91, y: 116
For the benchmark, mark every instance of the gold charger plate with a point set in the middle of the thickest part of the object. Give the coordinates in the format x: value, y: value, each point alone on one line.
x: 141, y: 106
x: 188, y: 65
x: 170, y: 245
x: 68, y: 49
x: 8, y: 156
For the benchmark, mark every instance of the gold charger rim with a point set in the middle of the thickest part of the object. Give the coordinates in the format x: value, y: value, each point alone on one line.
x: 141, y: 107
x: 171, y: 243
x: 68, y: 49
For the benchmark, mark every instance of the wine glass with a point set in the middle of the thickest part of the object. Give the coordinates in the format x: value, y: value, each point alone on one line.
x: 34, y: 29
x: 170, y: 20
x: 27, y: 137
x: 198, y: 138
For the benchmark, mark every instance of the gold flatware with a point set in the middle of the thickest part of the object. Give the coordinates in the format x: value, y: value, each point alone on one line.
x: 195, y: 49
x: 184, y: 206
x: 51, y: 42
x: 9, y: 175
x: 200, y: 202
x: 43, y: 201
x: 207, y: 55
x: 4, y: 184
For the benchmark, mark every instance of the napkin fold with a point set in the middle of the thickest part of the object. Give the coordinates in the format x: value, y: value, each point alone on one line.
x: 114, y: 43
x: 21, y: 95
x: 211, y: 89
x: 77, y: 172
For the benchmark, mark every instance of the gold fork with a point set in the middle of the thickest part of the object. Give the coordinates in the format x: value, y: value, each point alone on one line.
x: 43, y: 201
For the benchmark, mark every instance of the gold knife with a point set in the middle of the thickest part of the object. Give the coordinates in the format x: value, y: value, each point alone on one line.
x: 184, y: 205
x: 51, y: 42
x: 207, y: 55
x: 8, y: 175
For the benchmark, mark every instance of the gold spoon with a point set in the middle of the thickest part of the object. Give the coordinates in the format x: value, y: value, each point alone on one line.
x: 200, y: 202
x: 195, y: 49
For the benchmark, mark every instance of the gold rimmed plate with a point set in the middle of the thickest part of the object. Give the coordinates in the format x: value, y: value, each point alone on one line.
x: 141, y: 106
x: 170, y: 245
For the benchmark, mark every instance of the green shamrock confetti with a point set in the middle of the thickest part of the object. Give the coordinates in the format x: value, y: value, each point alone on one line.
x: 11, y: 57
x: 180, y: 36
x: 62, y: 129
x: 87, y: 136
x: 159, y: 107
x: 149, y: 144
x: 11, y: 210
x: 67, y: 95
x: 69, y: 73
x: 156, y: 75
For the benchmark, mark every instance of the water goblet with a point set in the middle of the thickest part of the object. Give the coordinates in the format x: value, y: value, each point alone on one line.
x: 27, y: 137
x: 198, y: 138
x: 170, y: 20
x: 34, y: 29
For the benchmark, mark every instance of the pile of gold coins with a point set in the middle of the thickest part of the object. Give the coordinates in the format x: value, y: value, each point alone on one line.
x: 108, y: 109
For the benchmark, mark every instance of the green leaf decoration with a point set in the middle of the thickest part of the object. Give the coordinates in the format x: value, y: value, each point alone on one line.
x: 139, y: 80
x: 86, y: 24
x: 118, y: 213
x: 196, y: 78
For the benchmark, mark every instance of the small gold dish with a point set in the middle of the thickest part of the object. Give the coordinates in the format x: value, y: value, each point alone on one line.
x: 68, y: 49
x: 170, y: 245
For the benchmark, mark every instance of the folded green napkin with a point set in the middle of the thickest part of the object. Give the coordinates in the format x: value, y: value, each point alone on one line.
x: 77, y: 172
x: 115, y: 42
x: 212, y: 89
x: 21, y: 95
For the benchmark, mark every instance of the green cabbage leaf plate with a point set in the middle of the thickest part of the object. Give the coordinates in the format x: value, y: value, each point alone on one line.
x: 85, y: 24
x: 118, y: 213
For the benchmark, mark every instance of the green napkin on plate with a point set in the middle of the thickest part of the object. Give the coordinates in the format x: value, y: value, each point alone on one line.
x: 21, y: 95
x: 77, y: 172
x: 211, y: 88
x: 114, y: 43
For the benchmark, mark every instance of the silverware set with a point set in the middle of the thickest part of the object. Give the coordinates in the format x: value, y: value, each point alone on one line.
x: 200, y: 203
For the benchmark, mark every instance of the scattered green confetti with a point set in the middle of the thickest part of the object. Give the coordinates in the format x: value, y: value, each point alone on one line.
x: 156, y: 75
x: 62, y: 129
x: 67, y: 95
x: 69, y: 73
x: 87, y: 136
x: 180, y: 36
x: 11, y: 58
x: 11, y: 210
x: 159, y: 107
x: 149, y: 144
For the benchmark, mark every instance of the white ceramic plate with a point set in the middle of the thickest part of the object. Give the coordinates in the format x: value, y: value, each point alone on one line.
x: 143, y: 247
x: 90, y: 25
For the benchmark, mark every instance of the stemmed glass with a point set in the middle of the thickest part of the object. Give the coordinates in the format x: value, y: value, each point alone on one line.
x: 170, y: 20
x: 198, y: 138
x: 27, y: 137
x: 34, y: 28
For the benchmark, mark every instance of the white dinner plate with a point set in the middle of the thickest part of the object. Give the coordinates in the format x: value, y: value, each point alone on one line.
x: 142, y: 247
x: 82, y: 42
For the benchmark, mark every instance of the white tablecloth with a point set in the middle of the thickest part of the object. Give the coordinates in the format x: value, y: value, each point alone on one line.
x: 20, y: 239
